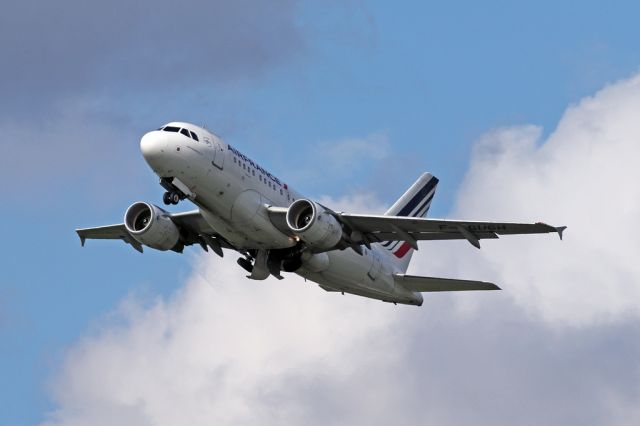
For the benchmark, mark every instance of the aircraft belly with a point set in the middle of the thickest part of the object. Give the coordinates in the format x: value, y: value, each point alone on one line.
x: 235, y: 212
x: 350, y: 273
x: 249, y: 216
x: 247, y: 225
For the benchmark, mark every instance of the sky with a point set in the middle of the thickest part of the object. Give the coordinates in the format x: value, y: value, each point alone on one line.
x: 524, y: 112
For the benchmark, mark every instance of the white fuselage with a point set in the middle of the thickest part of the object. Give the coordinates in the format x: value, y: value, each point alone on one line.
x: 233, y: 193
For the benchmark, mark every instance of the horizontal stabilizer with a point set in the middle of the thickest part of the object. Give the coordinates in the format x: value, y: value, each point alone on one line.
x: 428, y: 284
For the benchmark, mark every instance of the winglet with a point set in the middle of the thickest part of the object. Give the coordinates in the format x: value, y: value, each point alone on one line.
x: 82, y: 238
x: 560, y: 230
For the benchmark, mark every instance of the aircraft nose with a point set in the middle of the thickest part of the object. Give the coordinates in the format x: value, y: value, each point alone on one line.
x: 153, y: 147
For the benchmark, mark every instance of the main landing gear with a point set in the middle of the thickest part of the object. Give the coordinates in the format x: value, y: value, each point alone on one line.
x: 171, y: 197
x: 246, y: 264
x: 262, y: 263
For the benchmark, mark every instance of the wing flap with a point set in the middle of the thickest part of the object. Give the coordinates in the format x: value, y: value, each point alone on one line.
x: 192, y: 220
x: 429, y: 236
x: 409, y: 224
x: 433, y: 284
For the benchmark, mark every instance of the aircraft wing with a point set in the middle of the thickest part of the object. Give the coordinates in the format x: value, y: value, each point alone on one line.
x: 366, y: 229
x: 108, y: 232
x: 193, y: 229
x: 378, y: 228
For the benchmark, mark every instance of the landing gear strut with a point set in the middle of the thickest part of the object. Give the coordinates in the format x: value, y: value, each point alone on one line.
x: 171, y: 197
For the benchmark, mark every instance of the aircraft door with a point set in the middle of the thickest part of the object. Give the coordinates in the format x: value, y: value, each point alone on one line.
x: 218, y: 153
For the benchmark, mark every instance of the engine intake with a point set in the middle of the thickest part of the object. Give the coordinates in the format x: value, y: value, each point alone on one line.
x: 151, y: 226
x: 314, y: 225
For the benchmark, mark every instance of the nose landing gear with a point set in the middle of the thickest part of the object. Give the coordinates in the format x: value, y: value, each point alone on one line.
x: 171, y: 197
x: 176, y: 190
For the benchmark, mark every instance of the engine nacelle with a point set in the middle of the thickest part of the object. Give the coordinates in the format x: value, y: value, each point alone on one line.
x: 151, y: 226
x: 314, y: 225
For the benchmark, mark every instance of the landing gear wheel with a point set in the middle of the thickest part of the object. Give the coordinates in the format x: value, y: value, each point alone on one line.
x: 166, y: 198
x: 246, y: 264
x: 175, y: 198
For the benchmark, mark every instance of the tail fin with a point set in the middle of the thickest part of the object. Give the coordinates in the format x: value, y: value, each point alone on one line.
x: 415, y: 202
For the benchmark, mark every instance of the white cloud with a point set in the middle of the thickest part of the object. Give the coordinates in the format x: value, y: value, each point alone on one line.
x: 225, y: 350
x: 343, y: 155
x: 342, y: 160
x: 583, y: 175
x: 362, y: 202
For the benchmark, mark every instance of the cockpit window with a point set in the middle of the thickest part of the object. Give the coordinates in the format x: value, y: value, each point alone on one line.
x: 188, y: 133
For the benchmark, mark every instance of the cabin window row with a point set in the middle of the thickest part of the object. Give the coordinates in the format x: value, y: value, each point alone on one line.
x: 253, y: 172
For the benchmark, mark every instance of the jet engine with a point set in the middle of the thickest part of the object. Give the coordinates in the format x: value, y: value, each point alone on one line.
x: 151, y: 226
x: 314, y: 225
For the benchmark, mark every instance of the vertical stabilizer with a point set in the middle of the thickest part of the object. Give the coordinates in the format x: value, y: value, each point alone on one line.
x: 415, y: 202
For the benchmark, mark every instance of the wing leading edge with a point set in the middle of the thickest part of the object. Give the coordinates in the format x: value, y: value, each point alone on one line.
x: 394, y: 228
x: 366, y: 229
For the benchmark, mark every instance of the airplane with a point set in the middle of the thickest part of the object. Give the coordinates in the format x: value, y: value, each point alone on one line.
x: 245, y: 208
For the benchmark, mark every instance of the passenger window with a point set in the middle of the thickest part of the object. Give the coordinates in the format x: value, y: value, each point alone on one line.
x: 194, y: 136
x: 253, y: 172
x: 185, y: 132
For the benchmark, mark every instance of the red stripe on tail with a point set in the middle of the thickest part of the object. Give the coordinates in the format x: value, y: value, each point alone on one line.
x: 404, y: 248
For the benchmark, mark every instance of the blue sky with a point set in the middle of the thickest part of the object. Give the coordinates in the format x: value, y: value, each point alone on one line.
x: 282, y: 83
